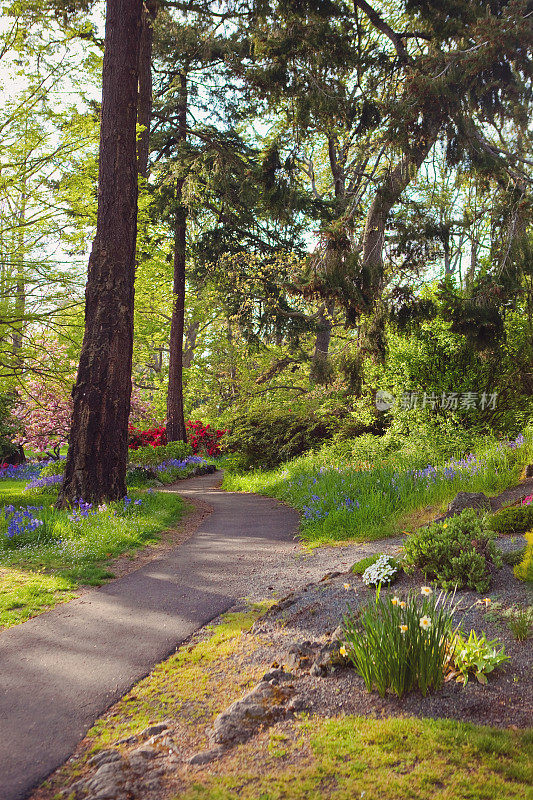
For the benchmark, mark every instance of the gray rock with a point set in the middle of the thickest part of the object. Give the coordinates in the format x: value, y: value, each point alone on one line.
x: 296, y: 704
x: 104, y: 757
x: 263, y: 705
x: 529, y: 471
x: 277, y: 675
x: 301, y: 655
x: 338, y: 634
x: 469, y: 500
x: 139, y: 758
x: 153, y: 730
x: 327, y: 660
x: 205, y: 756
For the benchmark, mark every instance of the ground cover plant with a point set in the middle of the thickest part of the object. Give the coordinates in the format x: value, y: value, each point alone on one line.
x: 361, y: 488
x: 459, y: 552
x: 46, y: 554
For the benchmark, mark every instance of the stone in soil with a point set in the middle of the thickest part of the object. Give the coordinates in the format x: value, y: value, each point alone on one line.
x: 263, y: 705
x: 463, y: 500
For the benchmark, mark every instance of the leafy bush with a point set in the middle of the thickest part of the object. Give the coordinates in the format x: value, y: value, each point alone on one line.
x: 268, y: 437
x: 518, y: 519
x: 459, y: 552
x: 524, y: 570
x: 203, y: 438
x: 399, y: 644
x: 152, y: 456
x: 54, y: 468
x: 475, y: 654
x: 154, y: 437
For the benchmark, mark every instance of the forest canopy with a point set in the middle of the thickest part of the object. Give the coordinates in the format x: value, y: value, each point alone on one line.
x: 334, y: 199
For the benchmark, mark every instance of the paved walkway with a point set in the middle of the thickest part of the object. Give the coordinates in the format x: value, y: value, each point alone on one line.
x: 61, y: 670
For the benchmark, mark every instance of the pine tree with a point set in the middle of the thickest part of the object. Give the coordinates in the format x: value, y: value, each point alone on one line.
x: 98, y: 443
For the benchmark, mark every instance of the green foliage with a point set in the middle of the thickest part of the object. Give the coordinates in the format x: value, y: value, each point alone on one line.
x: 459, y: 552
x: 520, y: 622
x: 476, y: 654
x: 400, y: 645
x: 513, y: 557
x: 269, y: 436
x: 524, y: 570
x: 54, y: 468
x: 152, y: 456
x: 518, y: 519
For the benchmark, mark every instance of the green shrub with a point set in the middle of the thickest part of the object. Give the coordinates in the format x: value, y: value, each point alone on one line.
x: 176, y: 450
x: 518, y: 519
x: 513, y: 557
x: 458, y: 552
x: 520, y: 622
x: 400, y: 644
x: 267, y: 437
x: 54, y: 468
x: 524, y: 570
x: 152, y: 456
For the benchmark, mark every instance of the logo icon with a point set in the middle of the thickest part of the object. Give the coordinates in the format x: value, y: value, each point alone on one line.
x: 384, y: 400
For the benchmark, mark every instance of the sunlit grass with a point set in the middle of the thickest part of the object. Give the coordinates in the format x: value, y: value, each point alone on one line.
x: 341, y: 498
x: 50, y: 563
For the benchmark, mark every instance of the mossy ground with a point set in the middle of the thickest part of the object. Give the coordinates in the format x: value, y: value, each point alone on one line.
x: 306, y: 757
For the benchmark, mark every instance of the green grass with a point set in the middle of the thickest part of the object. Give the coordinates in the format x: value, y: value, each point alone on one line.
x: 343, y: 496
x: 25, y: 594
x: 393, y: 759
x: 53, y: 561
x: 307, y: 757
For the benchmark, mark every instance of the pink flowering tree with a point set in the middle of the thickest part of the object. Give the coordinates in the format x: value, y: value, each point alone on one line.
x: 44, y: 409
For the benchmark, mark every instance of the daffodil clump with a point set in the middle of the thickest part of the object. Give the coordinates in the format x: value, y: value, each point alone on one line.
x: 400, y: 644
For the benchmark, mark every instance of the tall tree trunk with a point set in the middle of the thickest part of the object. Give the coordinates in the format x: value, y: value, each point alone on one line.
x: 323, y: 334
x: 98, y: 449
x: 390, y: 191
x: 176, y: 430
x: 20, y: 284
x: 144, y: 106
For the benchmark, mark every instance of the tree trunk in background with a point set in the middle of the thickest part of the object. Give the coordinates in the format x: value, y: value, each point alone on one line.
x: 176, y: 430
x: 323, y: 335
x: 144, y: 106
x: 386, y: 196
x: 20, y: 285
x: 97, y: 455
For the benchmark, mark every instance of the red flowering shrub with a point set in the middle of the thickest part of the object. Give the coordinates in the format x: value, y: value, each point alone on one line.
x: 202, y: 438
x: 154, y: 437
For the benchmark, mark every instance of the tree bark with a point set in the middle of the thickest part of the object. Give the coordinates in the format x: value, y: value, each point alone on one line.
x: 144, y: 107
x: 387, y: 195
x: 176, y: 430
x: 98, y: 444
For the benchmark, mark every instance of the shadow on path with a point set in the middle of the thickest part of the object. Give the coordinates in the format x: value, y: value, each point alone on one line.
x: 61, y: 670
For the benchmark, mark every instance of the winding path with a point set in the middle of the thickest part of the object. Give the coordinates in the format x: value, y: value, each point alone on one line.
x: 61, y: 670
